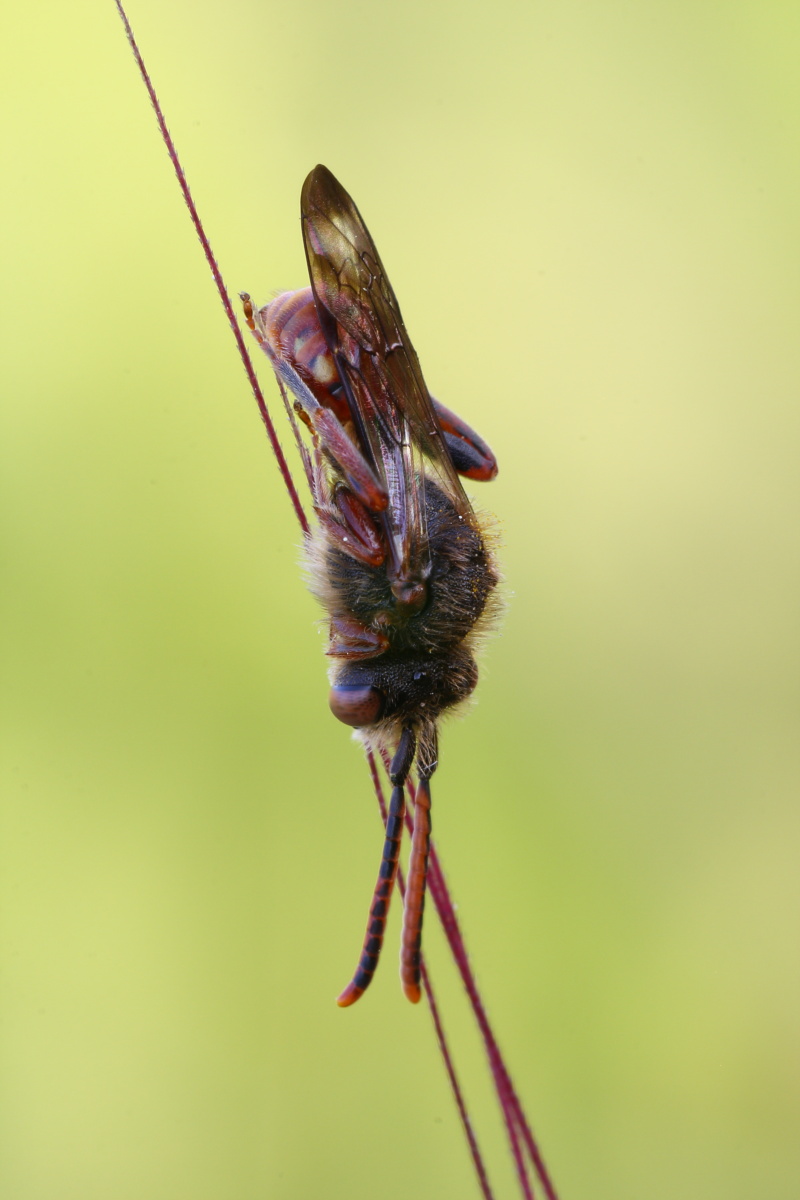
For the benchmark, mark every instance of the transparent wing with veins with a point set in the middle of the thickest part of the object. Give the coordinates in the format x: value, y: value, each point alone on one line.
x: 392, y: 410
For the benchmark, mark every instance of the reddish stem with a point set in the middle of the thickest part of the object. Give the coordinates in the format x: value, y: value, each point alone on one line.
x: 509, y: 1099
x: 516, y: 1121
x: 441, y: 1037
x: 283, y: 466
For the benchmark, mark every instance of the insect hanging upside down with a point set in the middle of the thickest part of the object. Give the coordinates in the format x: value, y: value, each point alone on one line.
x: 399, y: 559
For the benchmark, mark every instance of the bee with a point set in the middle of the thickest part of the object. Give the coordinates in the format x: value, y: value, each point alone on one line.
x: 399, y: 560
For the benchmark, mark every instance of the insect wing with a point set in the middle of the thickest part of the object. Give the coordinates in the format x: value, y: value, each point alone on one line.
x: 391, y: 407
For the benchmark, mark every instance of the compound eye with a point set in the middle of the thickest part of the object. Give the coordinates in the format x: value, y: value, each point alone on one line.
x: 356, y: 705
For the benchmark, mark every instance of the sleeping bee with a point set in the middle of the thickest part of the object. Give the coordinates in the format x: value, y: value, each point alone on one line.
x: 398, y: 559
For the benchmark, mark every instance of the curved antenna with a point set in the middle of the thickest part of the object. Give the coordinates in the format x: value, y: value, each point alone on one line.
x: 411, y: 940
x: 387, y: 874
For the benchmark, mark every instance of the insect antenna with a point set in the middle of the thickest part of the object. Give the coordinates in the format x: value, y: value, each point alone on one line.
x: 387, y: 874
x: 415, y: 892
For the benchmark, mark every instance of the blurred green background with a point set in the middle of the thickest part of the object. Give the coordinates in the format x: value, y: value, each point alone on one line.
x: 590, y: 215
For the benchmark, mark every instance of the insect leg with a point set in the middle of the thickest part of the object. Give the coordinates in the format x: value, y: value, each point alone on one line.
x: 379, y: 909
x: 323, y: 421
x: 471, y: 456
x: 350, y: 638
x: 351, y: 528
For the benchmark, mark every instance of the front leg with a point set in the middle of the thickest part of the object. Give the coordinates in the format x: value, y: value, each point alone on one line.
x: 471, y: 457
x: 323, y: 421
x: 351, y: 529
x: 350, y: 639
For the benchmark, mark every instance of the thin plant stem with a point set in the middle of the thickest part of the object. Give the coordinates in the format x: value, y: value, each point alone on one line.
x: 506, y: 1091
x: 516, y: 1121
x: 507, y: 1094
x: 166, y: 136
x: 518, y: 1156
x: 441, y: 1037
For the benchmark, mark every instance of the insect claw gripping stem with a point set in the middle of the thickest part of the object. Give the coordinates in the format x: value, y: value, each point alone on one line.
x: 387, y: 874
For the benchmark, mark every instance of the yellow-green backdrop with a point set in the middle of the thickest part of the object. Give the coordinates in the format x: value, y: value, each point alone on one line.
x: 590, y: 215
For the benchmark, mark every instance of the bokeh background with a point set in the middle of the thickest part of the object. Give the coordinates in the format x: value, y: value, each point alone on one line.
x: 590, y: 215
